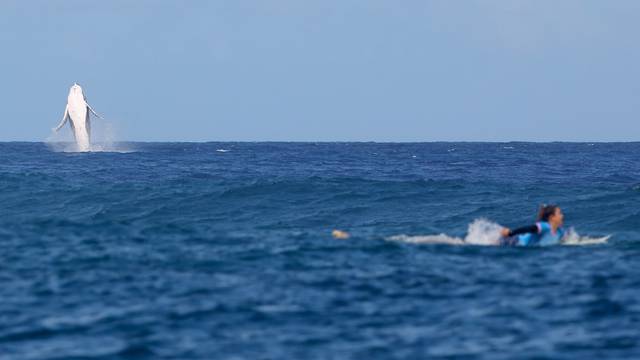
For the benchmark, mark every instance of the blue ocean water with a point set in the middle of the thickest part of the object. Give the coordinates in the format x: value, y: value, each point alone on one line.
x: 224, y: 251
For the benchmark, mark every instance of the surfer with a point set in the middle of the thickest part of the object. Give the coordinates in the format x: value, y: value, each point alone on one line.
x: 546, y: 231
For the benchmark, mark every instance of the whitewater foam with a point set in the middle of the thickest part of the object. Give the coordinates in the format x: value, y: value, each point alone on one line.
x: 573, y: 238
x: 103, y: 139
x: 72, y: 147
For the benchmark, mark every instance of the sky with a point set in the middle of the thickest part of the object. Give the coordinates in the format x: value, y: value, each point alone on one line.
x: 330, y: 70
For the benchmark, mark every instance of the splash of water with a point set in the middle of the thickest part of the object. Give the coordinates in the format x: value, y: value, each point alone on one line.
x: 487, y: 233
x: 103, y: 139
x: 480, y: 232
x: 573, y: 238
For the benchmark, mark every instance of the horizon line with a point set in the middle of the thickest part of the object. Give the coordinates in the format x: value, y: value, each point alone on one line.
x: 338, y: 141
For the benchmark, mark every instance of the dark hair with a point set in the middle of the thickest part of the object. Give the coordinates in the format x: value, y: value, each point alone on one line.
x: 546, y: 211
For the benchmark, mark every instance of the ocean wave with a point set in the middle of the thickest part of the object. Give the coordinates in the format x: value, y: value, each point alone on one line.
x: 146, y: 255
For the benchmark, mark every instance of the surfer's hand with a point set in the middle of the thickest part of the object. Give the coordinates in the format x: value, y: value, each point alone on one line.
x: 505, y: 232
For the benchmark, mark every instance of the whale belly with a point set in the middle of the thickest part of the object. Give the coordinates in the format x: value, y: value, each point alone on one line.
x: 78, y: 114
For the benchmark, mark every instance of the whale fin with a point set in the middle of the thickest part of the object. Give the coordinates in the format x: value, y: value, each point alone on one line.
x: 88, y: 125
x: 65, y: 117
x: 93, y: 111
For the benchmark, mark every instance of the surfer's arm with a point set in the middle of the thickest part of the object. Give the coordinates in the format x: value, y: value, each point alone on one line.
x: 64, y: 119
x: 93, y: 111
x: 521, y: 230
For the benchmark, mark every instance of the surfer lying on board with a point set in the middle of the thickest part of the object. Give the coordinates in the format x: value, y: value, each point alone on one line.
x: 546, y: 231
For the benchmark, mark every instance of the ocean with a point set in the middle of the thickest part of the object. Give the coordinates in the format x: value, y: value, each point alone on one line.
x: 225, y: 251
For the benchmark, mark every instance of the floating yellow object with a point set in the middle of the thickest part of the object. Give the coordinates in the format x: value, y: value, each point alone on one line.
x: 339, y: 234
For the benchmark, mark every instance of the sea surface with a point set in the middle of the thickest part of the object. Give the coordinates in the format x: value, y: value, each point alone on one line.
x: 225, y: 251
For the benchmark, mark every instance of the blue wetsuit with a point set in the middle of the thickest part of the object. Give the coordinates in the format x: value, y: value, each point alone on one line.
x: 539, y: 234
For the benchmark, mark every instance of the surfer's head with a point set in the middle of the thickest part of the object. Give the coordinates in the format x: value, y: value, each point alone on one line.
x: 551, y: 214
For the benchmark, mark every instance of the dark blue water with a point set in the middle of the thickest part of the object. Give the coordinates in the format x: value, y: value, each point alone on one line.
x: 179, y: 251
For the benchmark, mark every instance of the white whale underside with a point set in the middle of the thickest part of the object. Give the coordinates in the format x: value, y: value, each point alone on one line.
x: 77, y: 113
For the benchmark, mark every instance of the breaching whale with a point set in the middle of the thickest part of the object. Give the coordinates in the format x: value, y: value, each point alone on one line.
x: 77, y: 111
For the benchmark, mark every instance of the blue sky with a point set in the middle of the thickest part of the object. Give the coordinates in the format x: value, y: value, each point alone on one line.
x: 332, y: 70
